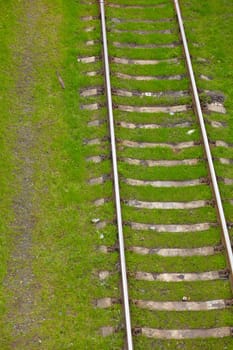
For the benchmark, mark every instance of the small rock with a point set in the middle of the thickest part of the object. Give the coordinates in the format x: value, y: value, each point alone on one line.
x: 103, y: 249
x: 216, y: 124
x: 103, y: 303
x: 95, y: 220
x: 116, y: 20
x: 148, y: 94
x: 101, y: 236
x: 106, y: 331
x: 103, y: 275
x: 89, y: 29
x: 190, y: 132
x: 202, y: 60
x: 185, y: 298
x: 205, y: 77
x: 171, y: 113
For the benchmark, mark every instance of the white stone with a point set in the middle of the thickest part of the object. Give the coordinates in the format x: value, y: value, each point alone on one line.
x: 95, y: 221
x: 190, y: 132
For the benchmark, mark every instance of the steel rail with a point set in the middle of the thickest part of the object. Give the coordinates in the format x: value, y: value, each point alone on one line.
x: 226, y: 239
x: 116, y: 182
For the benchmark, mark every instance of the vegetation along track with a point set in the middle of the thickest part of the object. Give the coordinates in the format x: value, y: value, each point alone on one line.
x: 178, y: 251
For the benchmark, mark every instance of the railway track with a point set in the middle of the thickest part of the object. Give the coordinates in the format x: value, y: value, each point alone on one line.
x: 177, y: 282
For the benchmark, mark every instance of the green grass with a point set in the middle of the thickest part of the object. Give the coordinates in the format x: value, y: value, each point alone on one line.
x: 73, y: 257
x: 226, y: 191
x: 162, y: 153
x: 179, y: 173
x: 146, y: 54
x: 194, y: 344
x: 162, y: 135
x: 175, y: 216
x: 148, y: 193
x: 128, y: 26
x: 198, y: 291
x: 150, y: 86
x: 147, y: 13
x: 177, y: 320
x: 152, y: 101
x: 153, y: 263
x: 162, y: 68
x: 158, y: 264
x: 172, y: 240
x: 197, y: 17
x: 154, y: 118
x: 65, y: 242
